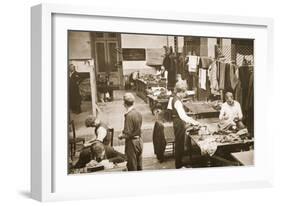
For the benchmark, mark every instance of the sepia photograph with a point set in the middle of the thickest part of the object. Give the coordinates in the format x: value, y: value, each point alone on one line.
x: 139, y: 101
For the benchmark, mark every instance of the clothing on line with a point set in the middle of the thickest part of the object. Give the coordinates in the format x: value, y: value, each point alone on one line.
x: 212, y: 74
x: 202, y: 78
x: 193, y: 62
x: 205, y: 62
x: 234, y: 76
x: 222, y: 76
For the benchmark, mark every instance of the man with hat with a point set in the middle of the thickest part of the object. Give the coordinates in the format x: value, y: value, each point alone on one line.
x: 132, y: 134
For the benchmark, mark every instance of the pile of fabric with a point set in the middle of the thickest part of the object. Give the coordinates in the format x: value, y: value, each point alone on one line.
x: 151, y: 79
x: 209, y: 142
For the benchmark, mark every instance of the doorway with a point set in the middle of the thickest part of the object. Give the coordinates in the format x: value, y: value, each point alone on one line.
x: 107, y: 53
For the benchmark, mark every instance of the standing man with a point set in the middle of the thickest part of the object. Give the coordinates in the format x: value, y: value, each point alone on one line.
x: 180, y: 123
x: 73, y: 92
x: 132, y: 134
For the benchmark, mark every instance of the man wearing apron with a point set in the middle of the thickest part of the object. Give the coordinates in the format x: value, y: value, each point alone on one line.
x: 180, y: 119
x: 132, y: 134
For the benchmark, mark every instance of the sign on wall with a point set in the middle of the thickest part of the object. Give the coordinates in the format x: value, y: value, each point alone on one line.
x: 133, y: 54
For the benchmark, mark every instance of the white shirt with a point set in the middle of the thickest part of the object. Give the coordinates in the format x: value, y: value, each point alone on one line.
x: 101, y: 133
x: 183, y: 116
x: 231, y: 111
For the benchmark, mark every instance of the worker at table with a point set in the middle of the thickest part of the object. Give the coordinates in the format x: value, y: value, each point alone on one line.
x: 101, y: 129
x: 180, y: 123
x: 98, y: 151
x: 230, y: 114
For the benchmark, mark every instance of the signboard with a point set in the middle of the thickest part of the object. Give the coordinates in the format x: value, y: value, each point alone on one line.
x: 133, y: 54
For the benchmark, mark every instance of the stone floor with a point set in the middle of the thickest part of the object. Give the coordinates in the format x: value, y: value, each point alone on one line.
x: 112, y: 113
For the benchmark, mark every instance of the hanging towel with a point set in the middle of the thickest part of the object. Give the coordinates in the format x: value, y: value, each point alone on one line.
x: 202, y: 78
x: 193, y: 62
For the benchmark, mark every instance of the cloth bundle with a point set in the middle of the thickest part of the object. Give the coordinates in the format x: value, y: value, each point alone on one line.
x: 208, y: 146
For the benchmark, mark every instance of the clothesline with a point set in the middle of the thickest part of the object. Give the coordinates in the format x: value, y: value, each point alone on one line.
x: 218, y: 60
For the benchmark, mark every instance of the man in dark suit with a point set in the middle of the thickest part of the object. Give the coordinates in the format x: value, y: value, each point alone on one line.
x: 73, y: 90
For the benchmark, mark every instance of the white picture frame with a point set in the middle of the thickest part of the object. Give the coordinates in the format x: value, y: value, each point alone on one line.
x: 48, y: 178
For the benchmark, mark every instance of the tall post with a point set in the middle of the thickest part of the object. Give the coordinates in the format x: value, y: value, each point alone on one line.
x: 93, y: 84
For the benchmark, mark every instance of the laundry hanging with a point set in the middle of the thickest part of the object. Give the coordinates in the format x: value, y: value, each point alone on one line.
x: 202, y: 78
x: 234, y: 76
x: 192, y: 63
x: 212, y: 74
x: 222, y: 67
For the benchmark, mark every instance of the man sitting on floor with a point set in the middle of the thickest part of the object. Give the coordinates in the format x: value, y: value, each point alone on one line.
x: 230, y: 114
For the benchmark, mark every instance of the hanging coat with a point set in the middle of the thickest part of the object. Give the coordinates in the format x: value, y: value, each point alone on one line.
x: 159, y: 141
x: 212, y: 73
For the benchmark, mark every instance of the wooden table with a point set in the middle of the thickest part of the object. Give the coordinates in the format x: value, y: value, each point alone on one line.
x: 142, y: 86
x: 120, y: 167
x: 201, y: 109
x: 222, y: 148
x: 244, y: 158
x: 153, y: 101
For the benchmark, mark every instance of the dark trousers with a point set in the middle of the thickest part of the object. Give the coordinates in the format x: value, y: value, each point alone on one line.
x: 133, y: 151
x: 179, y: 131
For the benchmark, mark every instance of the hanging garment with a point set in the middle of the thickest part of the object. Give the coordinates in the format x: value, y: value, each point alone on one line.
x: 169, y: 67
x: 238, y: 93
x: 250, y: 99
x: 181, y: 66
x: 202, y: 78
x: 172, y: 69
x: 212, y: 74
x: 244, y: 75
x: 227, y: 85
x: 222, y: 66
x: 193, y: 62
x: 234, y: 76
x: 249, y: 103
x: 205, y: 62
x: 159, y: 141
